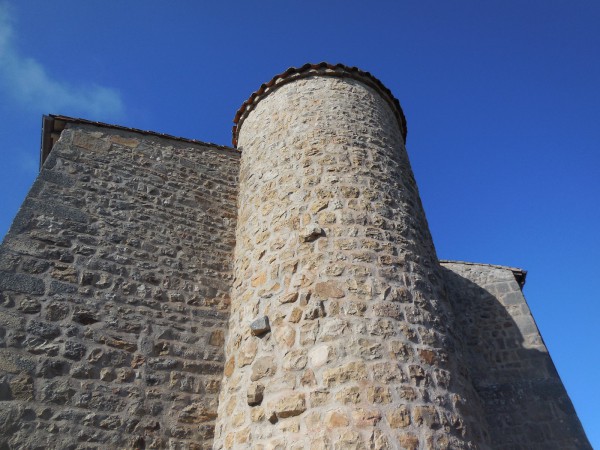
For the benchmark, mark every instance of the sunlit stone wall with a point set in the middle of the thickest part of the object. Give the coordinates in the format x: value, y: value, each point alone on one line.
x: 340, y: 335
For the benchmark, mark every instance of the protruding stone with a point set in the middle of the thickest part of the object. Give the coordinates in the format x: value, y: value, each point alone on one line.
x: 295, y: 360
x: 125, y: 374
x: 407, y: 393
x: 29, y: 306
x: 260, y: 326
x: 295, y: 315
x: 229, y: 366
x: 349, y: 395
x: 314, y: 310
x: 310, y: 233
x: 255, y: 394
x: 319, y: 397
x: 257, y: 414
x: 107, y: 374
x: 290, y: 405
x: 196, y: 413
x: 290, y: 297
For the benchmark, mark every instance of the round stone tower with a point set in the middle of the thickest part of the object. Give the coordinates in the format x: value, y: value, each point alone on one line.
x: 340, y: 333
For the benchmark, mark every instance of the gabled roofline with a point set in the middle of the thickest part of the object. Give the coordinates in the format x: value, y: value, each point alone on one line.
x: 54, y: 124
x: 519, y: 274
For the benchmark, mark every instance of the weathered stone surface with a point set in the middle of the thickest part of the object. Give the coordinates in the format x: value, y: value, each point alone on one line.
x: 19, y: 282
x: 352, y: 371
x: 21, y: 387
x: 399, y: 418
x: 29, y: 306
x: 408, y: 441
x: 366, y: 417
x: 289, y: 405
x: 263, y: 367
x: 196, y: 413
x: 314, y: 310
x: 311, y: 232
x: 426, y: 415
x: 335, y: 419
x: 125, y: 237
x: 290, y: 297
x: 319, y: 355
x: 329, y: 289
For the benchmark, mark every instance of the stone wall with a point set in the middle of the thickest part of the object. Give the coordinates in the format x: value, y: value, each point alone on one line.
x: 333, y: 248
x: 524, y: 400
x: 345, y: 331
x: 114, y: 284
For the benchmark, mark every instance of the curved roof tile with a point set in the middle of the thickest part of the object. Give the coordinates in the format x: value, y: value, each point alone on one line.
x: 322, y: 69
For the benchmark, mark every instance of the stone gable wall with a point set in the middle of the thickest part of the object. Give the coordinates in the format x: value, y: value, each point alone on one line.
x: 114, y: 294
x: 524, y: 400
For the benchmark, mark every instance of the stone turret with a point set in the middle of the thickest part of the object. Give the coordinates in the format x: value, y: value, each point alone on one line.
x: 340, y: 334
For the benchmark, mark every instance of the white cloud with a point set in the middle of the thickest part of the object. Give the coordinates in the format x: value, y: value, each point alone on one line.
x: 26, y: 80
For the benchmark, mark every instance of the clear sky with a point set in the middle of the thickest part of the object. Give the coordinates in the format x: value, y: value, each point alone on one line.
x: 502, y: 99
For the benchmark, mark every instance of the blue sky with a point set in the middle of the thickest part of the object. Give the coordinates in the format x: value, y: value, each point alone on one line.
x: 502, y: 100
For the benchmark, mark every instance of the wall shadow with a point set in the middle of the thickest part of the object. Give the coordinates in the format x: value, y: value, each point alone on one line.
x: 525, y: 402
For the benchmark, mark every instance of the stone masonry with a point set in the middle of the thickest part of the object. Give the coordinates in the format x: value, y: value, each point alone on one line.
x: 333, y: 246
x: 159, y: 292
x: 115, y: 289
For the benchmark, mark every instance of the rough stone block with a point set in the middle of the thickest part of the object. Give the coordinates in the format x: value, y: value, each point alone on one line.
x: 399, y: 418
x: 329, y: 289
x: 289, y: 405
x: 352, y: 371
x: 255, y: 394
x: 260, y: 326
x: 18, y: 282
x: 310, y: 233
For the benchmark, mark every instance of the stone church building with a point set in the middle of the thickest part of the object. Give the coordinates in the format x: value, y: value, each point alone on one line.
x: 283, y: 293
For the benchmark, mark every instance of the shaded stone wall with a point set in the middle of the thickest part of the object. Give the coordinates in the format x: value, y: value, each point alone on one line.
x: 114, y: 284
x: 334, y: 249
x: 524, y: 400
